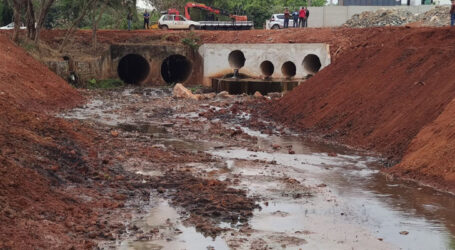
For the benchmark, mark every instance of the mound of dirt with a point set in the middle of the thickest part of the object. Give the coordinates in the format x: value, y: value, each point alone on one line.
x: 439, y: 16
x: 380, y: 95
x: 381, y: 17
x: 29, y: 84
x: 47, y: 165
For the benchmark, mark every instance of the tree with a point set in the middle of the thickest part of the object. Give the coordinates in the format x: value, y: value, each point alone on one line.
x: 45, y: 6
x: 6, y: 13
x: 86, y: 6
x: 33, y: 25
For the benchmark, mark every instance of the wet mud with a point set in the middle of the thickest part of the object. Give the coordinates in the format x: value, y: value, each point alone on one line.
x: 220, y: 176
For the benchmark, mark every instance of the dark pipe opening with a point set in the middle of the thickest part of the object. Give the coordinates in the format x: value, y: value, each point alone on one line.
x: 176, y: 69
x: 267, y: 68
x: 133, y: 69
x: 236, y: 59
x: 312, y: 64
x: 288, y: 69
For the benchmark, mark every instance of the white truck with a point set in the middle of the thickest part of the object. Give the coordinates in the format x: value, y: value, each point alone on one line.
x: 169, y: 21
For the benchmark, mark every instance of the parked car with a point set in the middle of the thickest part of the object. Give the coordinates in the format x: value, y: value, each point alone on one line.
x: 176, y: 22
x: 277, y: 22
x: 11, y: 26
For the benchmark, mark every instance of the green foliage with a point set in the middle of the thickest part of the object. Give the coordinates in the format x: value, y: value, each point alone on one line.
x: 6, y: 13
x: 105, y: 84
x: 192, y: 40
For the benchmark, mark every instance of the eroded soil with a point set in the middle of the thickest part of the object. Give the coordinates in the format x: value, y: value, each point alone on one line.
x: 221, y: 177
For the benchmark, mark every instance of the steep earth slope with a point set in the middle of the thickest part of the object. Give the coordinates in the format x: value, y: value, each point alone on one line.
x: 430, y: 156
x: 33, y: 146
x: 379, y: 95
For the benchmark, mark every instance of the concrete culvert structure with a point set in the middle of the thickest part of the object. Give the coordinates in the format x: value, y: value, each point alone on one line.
x: 133, y: 69
x: 312, y: 64
x: 176, y: 68
x: 236, y: 59
x: 288, y: 69
x: 267, y: 68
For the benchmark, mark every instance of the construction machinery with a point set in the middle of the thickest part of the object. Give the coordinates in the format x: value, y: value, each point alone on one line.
x: 237, y: 22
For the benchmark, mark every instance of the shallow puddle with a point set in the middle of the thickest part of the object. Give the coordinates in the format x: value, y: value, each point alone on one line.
x: 171, y: 234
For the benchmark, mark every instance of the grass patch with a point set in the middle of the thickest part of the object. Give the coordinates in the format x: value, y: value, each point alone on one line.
x: 192, y: 40
x: 105, y: 84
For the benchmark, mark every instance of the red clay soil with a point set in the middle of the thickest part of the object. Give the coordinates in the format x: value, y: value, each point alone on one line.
x: 380, y: 94
x: 430, y: 156
x: 28, y: 84
x: 38, y: 154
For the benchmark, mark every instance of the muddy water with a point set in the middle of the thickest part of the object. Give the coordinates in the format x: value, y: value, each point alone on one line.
x: 320, y: 197
x: 356, y: 206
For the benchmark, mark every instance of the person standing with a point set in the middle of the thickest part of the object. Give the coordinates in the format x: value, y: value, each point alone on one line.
x: 307, y: 15
x: 301, y: 17
x: 295, y: 17
x: 129, y: 18
x: 287, y: 15
x: 452, y: 14
x: 146, y: 20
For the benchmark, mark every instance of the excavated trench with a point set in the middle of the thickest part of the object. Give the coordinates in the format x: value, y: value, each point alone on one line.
x: 176, y: 69
x: 133, y: 69
x: 307, y: 196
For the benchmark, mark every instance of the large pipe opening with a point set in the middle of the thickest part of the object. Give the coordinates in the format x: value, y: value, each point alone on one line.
x: 288, y: 69
x: 312, y: 64
x: 236, y: 59
x: 133, y: 69
x: 176, y: 69
x: 267, y: 68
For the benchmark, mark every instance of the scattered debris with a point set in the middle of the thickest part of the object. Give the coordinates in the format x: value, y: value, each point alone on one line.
x: 381, y: 17
x: 437, y: 17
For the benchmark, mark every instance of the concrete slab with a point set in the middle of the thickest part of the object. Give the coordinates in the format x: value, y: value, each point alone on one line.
x: 216, y: 63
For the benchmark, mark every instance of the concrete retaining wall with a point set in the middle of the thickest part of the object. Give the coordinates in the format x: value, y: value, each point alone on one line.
x: 216, y: 63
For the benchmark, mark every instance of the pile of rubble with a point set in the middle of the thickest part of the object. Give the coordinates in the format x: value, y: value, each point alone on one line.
x: 381, y: 17
x: 439, y: 16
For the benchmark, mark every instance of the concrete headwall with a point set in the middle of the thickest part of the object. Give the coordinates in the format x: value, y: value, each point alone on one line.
x: 216, y: 58
x: 155, y: 56
x: 332, y: 16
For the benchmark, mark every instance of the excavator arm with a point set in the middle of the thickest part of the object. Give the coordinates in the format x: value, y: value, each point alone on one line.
x: 213, y: 10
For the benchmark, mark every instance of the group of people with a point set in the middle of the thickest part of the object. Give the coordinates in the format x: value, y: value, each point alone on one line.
x: 129, y: 19
x: 300, y: 17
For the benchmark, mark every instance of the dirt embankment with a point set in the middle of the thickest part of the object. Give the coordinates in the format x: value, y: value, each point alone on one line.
x: 380, y: 94
x: 48, y: 195
x: 338, y: 38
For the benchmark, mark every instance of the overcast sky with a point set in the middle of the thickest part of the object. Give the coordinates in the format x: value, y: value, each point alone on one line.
x: 142, y: 4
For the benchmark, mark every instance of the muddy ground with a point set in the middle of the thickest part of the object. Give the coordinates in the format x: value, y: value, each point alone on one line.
x: 221, y: 177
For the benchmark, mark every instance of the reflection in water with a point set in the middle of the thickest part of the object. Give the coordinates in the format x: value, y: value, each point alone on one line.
x: 363, y: 195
